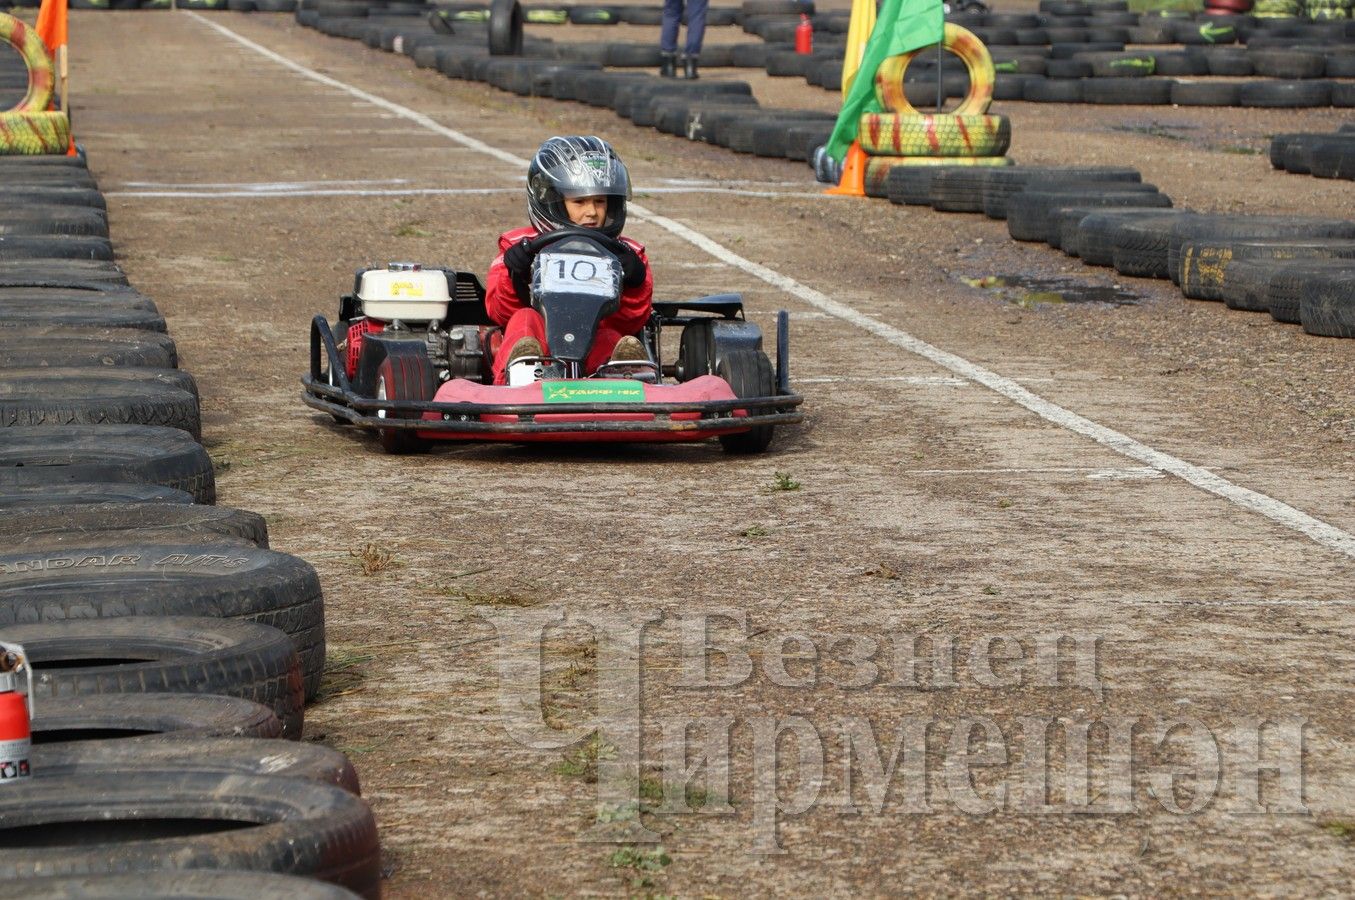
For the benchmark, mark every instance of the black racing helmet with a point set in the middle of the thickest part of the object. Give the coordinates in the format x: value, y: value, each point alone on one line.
x: 576, y: 167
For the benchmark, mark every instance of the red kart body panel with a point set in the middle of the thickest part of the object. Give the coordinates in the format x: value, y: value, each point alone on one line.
x: 703, y: 388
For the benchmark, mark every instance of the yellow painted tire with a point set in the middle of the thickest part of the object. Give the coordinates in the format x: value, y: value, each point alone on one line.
x: 40, y: 78
x: 877, y: 167
x: 34, y: 133
x: 894, y: 134
x: 964, y: 44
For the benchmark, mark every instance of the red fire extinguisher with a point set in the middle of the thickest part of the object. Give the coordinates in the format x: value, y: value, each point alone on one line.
x: 16, y: 737
x: 804, y: 35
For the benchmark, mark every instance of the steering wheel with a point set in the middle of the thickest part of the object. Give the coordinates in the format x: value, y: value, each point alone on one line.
x: 611, y: 244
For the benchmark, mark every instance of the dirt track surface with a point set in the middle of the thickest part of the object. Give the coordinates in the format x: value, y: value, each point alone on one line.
x: 926, y: 503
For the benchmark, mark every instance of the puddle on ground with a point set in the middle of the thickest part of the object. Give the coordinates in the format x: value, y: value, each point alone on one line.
x: 1029, y: 292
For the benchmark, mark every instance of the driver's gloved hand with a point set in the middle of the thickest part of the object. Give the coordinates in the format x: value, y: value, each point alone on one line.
x: 517, y: 259
x: 632, y: 269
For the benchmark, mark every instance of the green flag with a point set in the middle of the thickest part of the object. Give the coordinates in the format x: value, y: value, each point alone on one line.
x: 902, y: 26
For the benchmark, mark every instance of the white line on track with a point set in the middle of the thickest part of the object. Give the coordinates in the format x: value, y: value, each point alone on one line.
x: 1254, y: 501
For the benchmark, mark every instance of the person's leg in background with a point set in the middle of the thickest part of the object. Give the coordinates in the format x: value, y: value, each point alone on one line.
x: 672, y: 15
x: 696, y: 34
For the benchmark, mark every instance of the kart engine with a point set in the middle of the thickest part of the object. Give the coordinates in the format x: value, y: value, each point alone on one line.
x: 405, y: 297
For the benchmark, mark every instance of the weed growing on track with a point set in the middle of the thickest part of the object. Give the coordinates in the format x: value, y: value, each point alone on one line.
x: 642, y: 863
x: 754, y: 531
x: 342, y: 673
x: 373, y: 558
x: 583, y: 762
x: 781, y: 481
x: 412, y: 229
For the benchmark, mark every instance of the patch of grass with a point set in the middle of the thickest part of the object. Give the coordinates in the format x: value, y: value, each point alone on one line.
x: 651, y: 793
x: 885, y: 572
x: 1240, y: 150
x: 642, y: 864
x: 1004, y: 503
x: 754, y: 531
x: 990, y: 590
x: 490, y: 598
x: 1339, y: 828
x: 1152, y: 130
x: 412, y: 229
x: 342, y: 672
x: 373, y: 558
x: 781, y: 481
x: 583, y: 762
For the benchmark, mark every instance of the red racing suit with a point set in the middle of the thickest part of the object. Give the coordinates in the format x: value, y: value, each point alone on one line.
x: 520, y: 320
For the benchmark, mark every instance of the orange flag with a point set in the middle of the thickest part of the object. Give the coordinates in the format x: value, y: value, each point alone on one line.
x: 52, y: 24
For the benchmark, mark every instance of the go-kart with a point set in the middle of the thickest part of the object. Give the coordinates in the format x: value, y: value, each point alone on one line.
x: 416, y: 350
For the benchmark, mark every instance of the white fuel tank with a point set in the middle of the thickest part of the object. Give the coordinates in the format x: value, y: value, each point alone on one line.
x: 404, y: 291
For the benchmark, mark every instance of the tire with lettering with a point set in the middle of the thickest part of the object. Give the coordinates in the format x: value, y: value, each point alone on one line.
x: 281, y: 759
x: 25, y: 41
x: 227, y: 581
x: 288, y: 826
x: 135, y: 717
x: 889, y: 86
x: 126, y: 454
x: 61, y: 527
x: 165, y: 654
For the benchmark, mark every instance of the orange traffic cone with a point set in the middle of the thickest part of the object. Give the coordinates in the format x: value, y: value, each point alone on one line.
x: 853, y: 183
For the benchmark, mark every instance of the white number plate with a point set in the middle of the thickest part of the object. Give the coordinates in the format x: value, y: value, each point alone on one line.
x: 577, y: 274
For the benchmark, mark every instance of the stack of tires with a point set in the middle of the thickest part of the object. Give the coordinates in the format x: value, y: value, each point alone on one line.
x: 1227, y: 7
x: 1321, y: 155
x: 1277, y: 9
x: 906, y: 138
x: 27, y: 79
x: 173, y: 651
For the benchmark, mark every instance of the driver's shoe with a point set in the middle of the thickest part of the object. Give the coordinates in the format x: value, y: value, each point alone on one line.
x: 526, y: 346
x: 629, y: 349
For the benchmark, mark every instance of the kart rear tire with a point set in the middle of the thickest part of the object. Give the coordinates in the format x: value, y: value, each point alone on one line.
x: 403, y: 377
x: 749, y: 373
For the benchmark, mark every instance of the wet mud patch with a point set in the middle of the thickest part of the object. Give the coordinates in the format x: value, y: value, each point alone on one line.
x: 1030, y: 292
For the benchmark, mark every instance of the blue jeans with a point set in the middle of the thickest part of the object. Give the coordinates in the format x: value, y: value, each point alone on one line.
x: 696, y: 26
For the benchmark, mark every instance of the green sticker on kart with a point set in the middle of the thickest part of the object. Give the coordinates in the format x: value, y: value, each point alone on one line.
x: 599, y: 391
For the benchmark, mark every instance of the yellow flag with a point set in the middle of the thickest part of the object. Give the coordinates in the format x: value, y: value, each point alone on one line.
x: 862, y: 23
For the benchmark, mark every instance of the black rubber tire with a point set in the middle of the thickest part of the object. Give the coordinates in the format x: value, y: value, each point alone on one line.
x: 198, y: 885
x: 750, y: 374
x: 303, y: 828
x: 1188, y: 63
x: 60, y: 527
x: 1327, y: 303
x: 1123, y: 91
x: 1140, y: 249
x: 32, y: 398
x: 1098, y: 232
x: 73, y: 221
x: 1205, y: 264
x: 1332, y: 156
x: 958, y: 188
x: 593, y: 15
x: 1053, y: 90
x: 53, y: 346
x: 15, y: 246
x: 1205, y: 93
x: 133, y: 454
x: 25, y: 292
x: 16, y: 499
x: 505, y: 28
x: 1285, y: 94
x: 280, y: 759
x: 55, y: 194
x: 134, y: 717
x: 1287, y: 63
x: 1004, y: 182
x: 1285, y: 286
x: 165, y: 655
x: 910, y: 185
x: 1028, y: 213
x: 229, y: 581
x: 404, y: 377
x: 64, y: 272
x: 24, y: 314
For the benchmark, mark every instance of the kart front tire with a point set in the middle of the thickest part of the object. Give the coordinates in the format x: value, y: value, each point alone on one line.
x: 403, y: 377
x: 749, y: 373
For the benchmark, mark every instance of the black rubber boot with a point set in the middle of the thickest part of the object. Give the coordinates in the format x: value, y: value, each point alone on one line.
x: 667, y: 65
x: 689, y: 67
